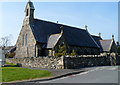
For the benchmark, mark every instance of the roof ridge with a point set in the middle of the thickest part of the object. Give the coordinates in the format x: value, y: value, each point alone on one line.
x: 96, y: 35
x: 60, y: 24
x: 105, y: 39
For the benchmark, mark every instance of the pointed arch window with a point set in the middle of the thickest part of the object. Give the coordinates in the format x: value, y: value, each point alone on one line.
x: 27, y: 12
x: 23, y: 40
x: 26, y: 39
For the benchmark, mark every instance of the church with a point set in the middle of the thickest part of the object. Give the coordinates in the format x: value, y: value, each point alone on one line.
x: 43, y: 38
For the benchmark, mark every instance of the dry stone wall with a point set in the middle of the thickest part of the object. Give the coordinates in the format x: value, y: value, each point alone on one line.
x: 67, y: 62
x: 80, y: 62
x: 39, y: 62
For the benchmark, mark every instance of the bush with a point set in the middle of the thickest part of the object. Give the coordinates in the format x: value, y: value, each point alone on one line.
x: 9, y: 55
x: 63, y: 52
x: 73, y: 53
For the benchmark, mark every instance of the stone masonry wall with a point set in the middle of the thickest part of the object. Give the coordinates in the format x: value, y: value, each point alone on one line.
x: 39, y: 62
x: 67, y: 62
x: 25, y: 49
x: 118, y: 60
x: 80, y: 62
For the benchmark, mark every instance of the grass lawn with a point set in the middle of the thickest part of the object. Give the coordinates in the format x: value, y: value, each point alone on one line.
x: 10, y: 63
x: 18, y: 73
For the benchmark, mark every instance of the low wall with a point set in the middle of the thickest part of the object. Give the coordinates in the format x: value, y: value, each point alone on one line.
x: 67, y: 62
x: 80, y: 62
x: 39, y: 62
x: 118, y: 60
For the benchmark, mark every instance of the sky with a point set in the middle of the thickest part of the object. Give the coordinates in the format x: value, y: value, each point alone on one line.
x: 100, y: 17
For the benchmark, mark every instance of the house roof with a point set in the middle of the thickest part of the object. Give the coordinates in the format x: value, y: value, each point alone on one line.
x: 74, y: 36
x: 53, y: 39
x: 106, y: 44
x: 97, y: 39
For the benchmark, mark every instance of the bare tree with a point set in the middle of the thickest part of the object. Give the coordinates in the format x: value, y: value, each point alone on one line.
x: 5, y: 41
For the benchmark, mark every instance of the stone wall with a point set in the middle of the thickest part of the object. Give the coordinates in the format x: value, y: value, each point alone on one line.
x: 25, y: 46
x: 80, y: 62
x: 67, y: 62
x: 118, y: 60
x: 39, y: 62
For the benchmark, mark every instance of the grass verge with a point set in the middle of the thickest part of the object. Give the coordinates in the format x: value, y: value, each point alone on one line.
x: 17, y: 73
x: 10, y: 63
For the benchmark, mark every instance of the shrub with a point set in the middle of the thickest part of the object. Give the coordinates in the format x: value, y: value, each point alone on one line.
x: 9, y: 55
x: 62, y: 51
x: 73, y: 53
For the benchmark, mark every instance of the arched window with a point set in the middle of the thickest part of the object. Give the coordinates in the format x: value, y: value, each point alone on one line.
x: 27, y: 12
x: 23, y: 40
x: 26, y: 39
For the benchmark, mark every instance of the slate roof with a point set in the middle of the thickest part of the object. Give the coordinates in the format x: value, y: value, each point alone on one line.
x: 97, y: 39
x: 106, y: 44
x: 53, y: 39
x: 73, y: 36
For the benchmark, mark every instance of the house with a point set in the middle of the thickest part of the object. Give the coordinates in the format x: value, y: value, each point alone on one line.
x: 42, y: 38
x: 2, y: 57
x: 106, y: 45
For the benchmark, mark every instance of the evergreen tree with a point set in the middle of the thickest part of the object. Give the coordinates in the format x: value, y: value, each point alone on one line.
x: 62, y: 51
x: 73, y: 53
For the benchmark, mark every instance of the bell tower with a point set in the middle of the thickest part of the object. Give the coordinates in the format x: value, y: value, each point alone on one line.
x: 29, y: 12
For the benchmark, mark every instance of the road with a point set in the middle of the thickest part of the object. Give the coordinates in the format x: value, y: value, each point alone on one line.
x: 107, y: 74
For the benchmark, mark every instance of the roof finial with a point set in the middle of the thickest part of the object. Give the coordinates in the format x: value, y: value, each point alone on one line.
x: 61, y: 29
x: 99, y: 34
x: 86, y: 27
x: 29, y: 1
x: 57, y: 22
x: 117, y: 43
x: 112, y: 36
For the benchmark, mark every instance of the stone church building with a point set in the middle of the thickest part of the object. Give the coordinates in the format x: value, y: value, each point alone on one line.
x: 43, y: 38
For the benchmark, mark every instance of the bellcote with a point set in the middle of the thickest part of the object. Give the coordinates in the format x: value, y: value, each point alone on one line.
x: 29, y: 11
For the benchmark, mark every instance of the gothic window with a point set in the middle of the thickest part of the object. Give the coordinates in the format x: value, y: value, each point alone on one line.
x: 26, y: 39
x: 27, y: 12
x: 23, y: 40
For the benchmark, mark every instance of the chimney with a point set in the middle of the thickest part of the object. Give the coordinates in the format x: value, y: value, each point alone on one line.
x: 57, y: 22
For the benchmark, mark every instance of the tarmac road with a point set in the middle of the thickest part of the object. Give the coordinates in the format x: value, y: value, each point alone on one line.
x: 107, y: 74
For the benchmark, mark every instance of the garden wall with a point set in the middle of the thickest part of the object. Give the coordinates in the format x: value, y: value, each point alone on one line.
x: 67, y: 62
x: 39, y: 62
x: 80, y: 62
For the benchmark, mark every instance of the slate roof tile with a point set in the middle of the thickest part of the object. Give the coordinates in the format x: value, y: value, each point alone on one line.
x: 53, y: 39
x: 74, y: 36
x: 106, y: 44
x: 97, y: 39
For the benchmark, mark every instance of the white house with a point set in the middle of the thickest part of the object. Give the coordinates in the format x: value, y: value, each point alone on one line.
x: 2, y: 57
